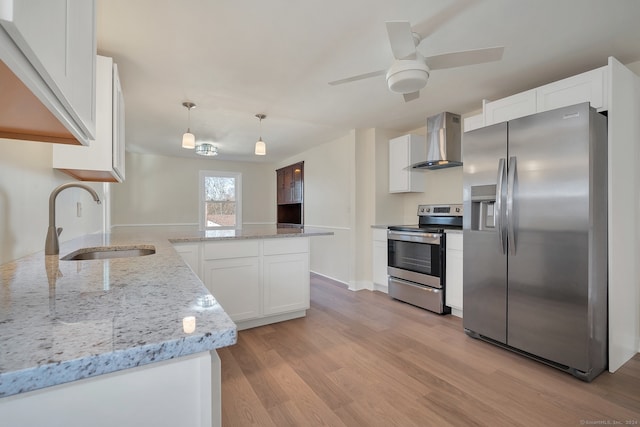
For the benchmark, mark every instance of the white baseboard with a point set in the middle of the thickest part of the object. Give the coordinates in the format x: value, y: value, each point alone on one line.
x: 331, y: 278
x: 381, y: 288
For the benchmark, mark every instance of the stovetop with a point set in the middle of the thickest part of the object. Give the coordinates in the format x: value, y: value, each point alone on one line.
x: 425, y: 229
x: 435, y: 219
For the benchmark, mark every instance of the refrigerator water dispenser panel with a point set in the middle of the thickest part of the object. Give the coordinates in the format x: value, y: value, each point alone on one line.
x: 483, y: 200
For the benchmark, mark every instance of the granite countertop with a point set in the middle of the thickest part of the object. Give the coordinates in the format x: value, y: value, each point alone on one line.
x: 248, y: 232
x: 62, y: 321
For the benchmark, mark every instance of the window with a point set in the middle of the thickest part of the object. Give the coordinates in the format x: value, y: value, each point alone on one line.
x: 220, y: 200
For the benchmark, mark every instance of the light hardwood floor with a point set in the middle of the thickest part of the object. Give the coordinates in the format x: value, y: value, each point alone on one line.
x: 362, y: 359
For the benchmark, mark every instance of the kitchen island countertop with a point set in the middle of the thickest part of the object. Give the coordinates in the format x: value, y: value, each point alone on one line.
x: 61, y: 321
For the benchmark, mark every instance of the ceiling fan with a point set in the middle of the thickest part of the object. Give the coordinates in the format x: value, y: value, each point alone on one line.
x: 410, y: 69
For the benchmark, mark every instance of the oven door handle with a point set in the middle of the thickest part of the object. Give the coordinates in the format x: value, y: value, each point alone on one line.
x: 416, y: 237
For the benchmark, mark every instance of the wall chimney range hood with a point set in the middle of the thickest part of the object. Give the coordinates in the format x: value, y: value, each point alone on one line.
x: 444, y: 148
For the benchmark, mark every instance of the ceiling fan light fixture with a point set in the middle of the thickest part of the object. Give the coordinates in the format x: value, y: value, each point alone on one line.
x: 206, y: 149
x: 261, y: 146
x: 407, y: 76
x: 188, y: 139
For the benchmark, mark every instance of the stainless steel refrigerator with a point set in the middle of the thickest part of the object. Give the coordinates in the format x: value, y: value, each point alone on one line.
x: 535, y: 237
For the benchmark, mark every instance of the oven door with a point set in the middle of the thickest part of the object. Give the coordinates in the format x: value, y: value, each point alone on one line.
x: 415, y: 256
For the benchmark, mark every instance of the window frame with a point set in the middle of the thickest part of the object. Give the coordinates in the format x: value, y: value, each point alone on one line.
x: 202, y: 203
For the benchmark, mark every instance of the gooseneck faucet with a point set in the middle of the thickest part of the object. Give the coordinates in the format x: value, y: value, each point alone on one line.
x: 51, y: 245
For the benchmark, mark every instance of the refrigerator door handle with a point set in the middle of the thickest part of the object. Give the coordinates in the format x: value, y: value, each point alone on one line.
x: 511, y: 238
x: 498, y: 204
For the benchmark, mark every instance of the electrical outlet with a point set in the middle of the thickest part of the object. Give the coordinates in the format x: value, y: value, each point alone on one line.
x: 79, y: 209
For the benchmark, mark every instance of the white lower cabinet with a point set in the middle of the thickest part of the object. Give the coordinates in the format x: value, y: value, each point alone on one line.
x: 454, y: 273
x: 283, y: 275
x: 184, y: 392
x: 379, y: 261
x: 190, y: 253
x: 259, y: 281
x: 235, y: 283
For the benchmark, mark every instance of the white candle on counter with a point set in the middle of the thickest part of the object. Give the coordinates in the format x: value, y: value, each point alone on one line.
x: 189, y: 324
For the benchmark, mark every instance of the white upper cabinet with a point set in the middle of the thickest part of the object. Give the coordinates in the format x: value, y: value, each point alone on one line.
x: 585, y: 87
x: 509, y: 108
x: 403, y: 152
x: 103, y: 159
x: 49, y: 46
x: 473, y: 122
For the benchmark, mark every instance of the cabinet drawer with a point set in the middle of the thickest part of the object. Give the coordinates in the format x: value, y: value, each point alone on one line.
x: 290, y: 245
x: 231, y: 249
x: 454, y: 242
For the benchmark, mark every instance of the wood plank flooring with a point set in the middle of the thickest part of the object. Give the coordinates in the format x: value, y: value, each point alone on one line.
x: 362, y: 359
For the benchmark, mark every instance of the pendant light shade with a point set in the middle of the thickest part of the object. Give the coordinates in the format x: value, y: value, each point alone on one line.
x: 261, y: 147
x: 188, y: 139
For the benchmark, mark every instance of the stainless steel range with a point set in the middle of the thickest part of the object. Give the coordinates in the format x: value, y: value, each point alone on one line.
x: 417, y: 258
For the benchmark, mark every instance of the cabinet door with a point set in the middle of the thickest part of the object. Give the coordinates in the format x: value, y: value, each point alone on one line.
x: 235, y: 283
x: 58, y: 38
x: 512, y: 107
x: 473, y: 122
x: 286, y: 283
x: 190, y: 253
x: 280, y: 184
x: 379, y: 259
x: 454, y: 279
x: 585, y: 87
x: 288, y: 185
x: 297, y: 173
x: 404, y: 151
x: 103, y: 159
x: 118, y: 126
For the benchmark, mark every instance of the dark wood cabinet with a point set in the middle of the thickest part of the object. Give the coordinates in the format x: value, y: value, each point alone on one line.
x: 290, y: 194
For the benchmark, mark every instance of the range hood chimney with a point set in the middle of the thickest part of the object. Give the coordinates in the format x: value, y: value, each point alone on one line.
x: 444, y: 148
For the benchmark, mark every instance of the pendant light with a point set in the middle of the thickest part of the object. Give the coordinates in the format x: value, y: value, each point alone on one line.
x: 189, y: 139
x: 261, y: 147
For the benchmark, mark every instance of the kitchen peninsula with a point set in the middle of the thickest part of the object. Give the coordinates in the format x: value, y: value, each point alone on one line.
x: 121, y: 341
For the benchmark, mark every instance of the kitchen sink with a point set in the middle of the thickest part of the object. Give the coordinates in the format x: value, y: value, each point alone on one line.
x: 108, y: 252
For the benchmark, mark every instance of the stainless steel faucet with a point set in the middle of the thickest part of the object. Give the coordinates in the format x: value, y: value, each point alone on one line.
x: 51, y: 245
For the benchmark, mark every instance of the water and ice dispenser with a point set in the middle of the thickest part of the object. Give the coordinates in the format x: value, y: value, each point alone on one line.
x: 483, y: 204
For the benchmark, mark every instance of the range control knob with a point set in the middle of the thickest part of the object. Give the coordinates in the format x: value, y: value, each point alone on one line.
x: 457, y: 209
x: 428, y: 209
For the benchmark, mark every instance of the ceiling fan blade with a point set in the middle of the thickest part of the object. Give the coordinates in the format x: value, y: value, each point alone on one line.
x: 465, y: 57
x: 442, y: 17
x: 358, y: 77
x: 411, y: 96
x: 401, y: 38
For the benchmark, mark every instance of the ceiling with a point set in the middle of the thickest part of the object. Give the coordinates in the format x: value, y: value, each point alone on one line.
x: 235, y: 59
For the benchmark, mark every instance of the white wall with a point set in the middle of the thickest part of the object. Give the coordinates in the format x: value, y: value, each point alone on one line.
x: 624, y: 209
x: 329, y: 204
x: 163, y: 191
x: 26, y: 181
x: 442, y: 186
